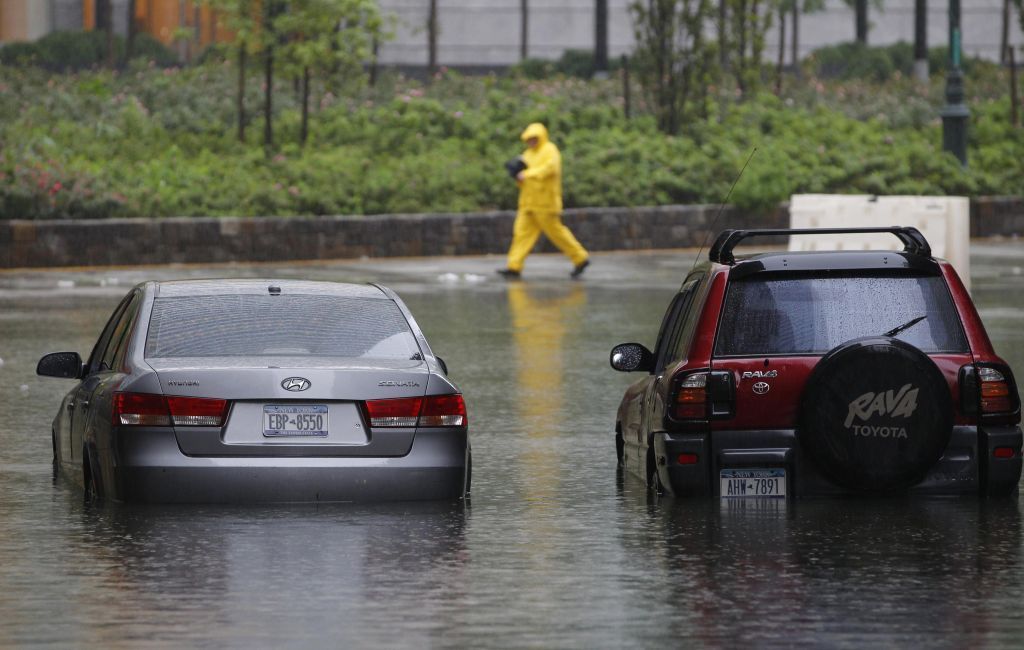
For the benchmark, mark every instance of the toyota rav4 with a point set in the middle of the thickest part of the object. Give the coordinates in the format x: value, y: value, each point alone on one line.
x: 843, y: 372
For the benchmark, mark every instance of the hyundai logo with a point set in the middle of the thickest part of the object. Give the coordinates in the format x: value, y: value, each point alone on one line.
x: 761, y: 387
x: 295, y: 384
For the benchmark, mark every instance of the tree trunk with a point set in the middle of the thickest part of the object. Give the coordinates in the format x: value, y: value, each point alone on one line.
x: 921, y: 40
x: 268, y: 76
x: 740, y: 65
x: 197, y: 19
x: 782, y: 48
x: 601, y: 36
x: 862, y: 21
x: 795, y: 54
x: 432, y: 38
x: 374, y: 56
x: 103, y: 15
x: 105, y: 24
x: 1014, y: 99
x: 1005, y: 38
x: 242, y: 55
x: 129, y: 41
x: 304, y: 133
x: 723, y: 31
x: 524, y: 30
x: 626, y: 99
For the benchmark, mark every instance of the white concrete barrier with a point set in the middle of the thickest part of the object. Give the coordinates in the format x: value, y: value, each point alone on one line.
x: 943, y: 220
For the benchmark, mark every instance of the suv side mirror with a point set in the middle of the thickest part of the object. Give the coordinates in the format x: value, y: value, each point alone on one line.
x: 65, y: 365
x: 630, y: 357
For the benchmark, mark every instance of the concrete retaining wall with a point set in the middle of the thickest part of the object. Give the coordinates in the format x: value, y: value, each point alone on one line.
x: 230, y: 239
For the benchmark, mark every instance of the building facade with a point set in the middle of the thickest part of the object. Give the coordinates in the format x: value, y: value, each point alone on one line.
x: 487, y: 33
x: 27, y: 20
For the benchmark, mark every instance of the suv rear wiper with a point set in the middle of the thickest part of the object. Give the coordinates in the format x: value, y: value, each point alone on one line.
x: 905, y: 326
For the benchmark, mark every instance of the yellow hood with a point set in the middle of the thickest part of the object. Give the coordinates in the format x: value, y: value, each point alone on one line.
x: 535, y: 130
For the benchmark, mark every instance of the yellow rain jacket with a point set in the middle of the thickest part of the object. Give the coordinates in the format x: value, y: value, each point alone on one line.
x: 541, y: 187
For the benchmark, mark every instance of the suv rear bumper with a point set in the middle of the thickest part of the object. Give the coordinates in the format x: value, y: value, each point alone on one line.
x: 968, y: 465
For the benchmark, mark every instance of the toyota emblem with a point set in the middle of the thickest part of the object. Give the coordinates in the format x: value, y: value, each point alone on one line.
x: 295, y: 384
x: 761, y: 387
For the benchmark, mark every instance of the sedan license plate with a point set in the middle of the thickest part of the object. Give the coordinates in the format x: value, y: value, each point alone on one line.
x: 758, y: 483
x: 295, y: 420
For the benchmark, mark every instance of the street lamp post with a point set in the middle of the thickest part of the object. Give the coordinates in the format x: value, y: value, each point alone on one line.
x: 954, y: 113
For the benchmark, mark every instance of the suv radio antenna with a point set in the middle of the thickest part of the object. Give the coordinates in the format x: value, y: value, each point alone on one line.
x: 711, y: 228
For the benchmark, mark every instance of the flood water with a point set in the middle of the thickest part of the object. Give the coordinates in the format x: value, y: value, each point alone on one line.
x: 554, y: 550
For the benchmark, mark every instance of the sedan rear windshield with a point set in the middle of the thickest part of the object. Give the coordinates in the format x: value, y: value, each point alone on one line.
x: 813, y: 315
x: 265, y: 325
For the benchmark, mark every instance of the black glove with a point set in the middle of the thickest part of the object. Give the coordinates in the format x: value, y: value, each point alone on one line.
x: 515, y: 166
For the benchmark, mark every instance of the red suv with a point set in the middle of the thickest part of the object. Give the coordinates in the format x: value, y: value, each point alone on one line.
x: 844, y: 372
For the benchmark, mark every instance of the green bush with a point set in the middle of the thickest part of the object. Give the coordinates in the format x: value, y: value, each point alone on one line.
x: 69, y: 51
x: 848, y: 61
x: 162, y: 142
x: 572, y: 63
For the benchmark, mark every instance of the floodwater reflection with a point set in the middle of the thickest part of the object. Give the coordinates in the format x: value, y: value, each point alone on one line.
x: 555, y: 549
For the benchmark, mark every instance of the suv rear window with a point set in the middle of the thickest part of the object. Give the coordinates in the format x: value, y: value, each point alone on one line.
x: 262, y: 325
x: 812, y: 315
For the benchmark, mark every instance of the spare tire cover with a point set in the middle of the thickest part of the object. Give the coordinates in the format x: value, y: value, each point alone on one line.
x: 875, y: 415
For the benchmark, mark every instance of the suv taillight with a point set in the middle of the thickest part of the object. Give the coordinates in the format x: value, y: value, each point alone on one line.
x: 691, y: 398
x: 147, y: 410
x: 990, y: 391
x: 429, y: 411
x: 702, y: 395
x: 997, y: 390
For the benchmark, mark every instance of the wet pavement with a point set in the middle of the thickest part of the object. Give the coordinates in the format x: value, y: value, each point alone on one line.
x: 555, y: 550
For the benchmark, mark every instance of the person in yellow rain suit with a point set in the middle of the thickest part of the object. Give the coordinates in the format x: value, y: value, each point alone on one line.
x: 540, y: 205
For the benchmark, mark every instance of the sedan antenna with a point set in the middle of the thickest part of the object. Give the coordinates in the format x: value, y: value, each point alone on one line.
x: 711, y: 228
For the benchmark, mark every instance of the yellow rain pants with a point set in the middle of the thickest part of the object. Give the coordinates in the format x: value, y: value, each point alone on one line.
x: 528, y: 226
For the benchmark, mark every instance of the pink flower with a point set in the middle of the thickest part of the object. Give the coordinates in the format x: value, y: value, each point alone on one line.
x: 294, y: 191
x: 56, y: 188
x: 458, y: 115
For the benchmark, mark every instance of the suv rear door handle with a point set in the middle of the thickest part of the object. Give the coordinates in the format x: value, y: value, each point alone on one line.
x: 84, y: 403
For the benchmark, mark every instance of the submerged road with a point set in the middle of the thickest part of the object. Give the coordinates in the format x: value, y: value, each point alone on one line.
x: 554, y: 551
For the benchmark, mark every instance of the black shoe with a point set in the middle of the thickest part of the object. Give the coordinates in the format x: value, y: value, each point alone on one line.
x: 509, y: 274
x: 577, y: 270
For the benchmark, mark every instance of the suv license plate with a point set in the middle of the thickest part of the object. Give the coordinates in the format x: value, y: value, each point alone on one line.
x: 281, y: 421
x: 757, y: 483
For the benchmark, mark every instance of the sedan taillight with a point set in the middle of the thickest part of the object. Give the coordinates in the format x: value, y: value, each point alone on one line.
x: 429, y: 411
x: 147, y: 410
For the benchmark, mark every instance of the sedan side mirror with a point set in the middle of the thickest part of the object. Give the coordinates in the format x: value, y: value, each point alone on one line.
x: 66, y: 365
x: 444, y: 366
x: 630, y: 357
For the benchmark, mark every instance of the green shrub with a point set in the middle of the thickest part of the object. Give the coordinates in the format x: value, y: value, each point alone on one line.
x: 161, y: 142
x: 572, y: 63
x: 69, y: 51
x: 849, y: 61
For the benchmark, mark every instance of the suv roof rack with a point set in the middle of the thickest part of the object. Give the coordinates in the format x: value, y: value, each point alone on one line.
x: 914, y: 242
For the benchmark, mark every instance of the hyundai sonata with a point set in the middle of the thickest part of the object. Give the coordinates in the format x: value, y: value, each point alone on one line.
x: 260, y: 390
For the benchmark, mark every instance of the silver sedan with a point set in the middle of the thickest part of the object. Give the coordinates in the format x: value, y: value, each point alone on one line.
x: 260, y: 390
